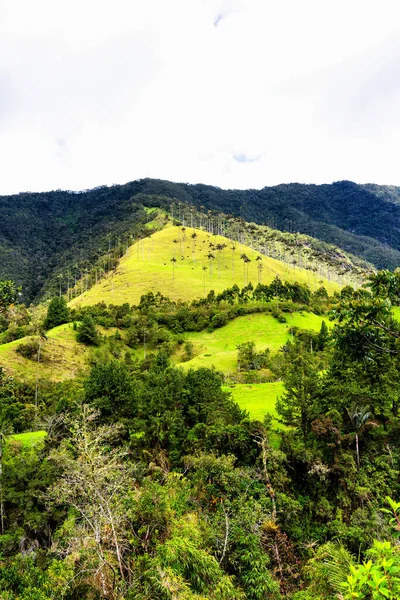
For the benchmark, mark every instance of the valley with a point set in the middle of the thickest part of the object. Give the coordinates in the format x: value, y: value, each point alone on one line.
x: 201, y: 390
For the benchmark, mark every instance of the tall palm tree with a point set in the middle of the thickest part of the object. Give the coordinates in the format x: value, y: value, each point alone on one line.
x: 204, y: 278
x: 219, y: 248
x: 259, y: 268
x: 173, y: 260
x: 194, y: 236
x: 246, y: 261
x: 210, y: 257
x: 233, y: 248
x: 359, y: 417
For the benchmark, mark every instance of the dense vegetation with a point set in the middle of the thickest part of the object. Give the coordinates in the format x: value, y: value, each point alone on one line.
x: 152, y: 483
x: 47, y: 237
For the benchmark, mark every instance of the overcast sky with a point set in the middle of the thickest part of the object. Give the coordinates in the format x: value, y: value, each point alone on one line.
x: 234, y: 93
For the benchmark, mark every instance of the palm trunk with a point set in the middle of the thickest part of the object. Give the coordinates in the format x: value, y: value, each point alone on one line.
x: 357, y: 451
x: 37, y: 379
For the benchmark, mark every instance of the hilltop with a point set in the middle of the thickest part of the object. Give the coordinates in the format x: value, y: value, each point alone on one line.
x: 45, y: 235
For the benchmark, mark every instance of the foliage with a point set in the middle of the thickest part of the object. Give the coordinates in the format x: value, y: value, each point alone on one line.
x: 8, y: 294
x: 87, y: 332
x: 29, y: 350
x: 153, y: 482
x: 57, y: 313
x: 249, y: 359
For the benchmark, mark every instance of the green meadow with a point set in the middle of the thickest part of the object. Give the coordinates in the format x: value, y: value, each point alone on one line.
x: 258, y: 399
x: 28, y: 439
x: 218, y: 348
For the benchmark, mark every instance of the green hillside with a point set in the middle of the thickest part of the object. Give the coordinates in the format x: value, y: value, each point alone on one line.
x: 63, y: 357
x: 218, y: 348
x: 148, y: 265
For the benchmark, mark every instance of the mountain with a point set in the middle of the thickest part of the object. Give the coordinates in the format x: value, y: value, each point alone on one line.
x: 43, y: 234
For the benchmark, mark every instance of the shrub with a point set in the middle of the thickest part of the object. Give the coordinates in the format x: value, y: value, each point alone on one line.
x: 29, y: 350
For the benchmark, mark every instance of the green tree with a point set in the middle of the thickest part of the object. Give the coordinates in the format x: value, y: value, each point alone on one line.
x: 57, y: 313
x: 87, y: 332
x: 8, y: 294
x: 296, y: 406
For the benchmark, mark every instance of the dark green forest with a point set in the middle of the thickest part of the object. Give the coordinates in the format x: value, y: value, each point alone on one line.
x: 152, y: 483
x: 43, y: 235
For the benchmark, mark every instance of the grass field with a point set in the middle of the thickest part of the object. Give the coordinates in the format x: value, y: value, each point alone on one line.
x: 218, y: 348
x: 147, y: 266
x: 259, y: 399
x: 396, y: 312
x: 29, y: 439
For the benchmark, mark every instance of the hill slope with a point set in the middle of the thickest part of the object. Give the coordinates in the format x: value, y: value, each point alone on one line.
x: 219, y: 348
x: 149, y: 266
x: 46, y: 232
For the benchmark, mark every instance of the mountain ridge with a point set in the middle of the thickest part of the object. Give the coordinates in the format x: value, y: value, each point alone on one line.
x: 44, y: 233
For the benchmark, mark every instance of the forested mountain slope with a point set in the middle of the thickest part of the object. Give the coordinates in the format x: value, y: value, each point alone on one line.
x: 43, y: 233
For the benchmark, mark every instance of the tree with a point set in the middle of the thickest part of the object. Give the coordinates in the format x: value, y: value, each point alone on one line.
x: 8, y: 294
x: 57, y: 313
x: 94, y: 483
x: 359, y: 417
x: 246, y: 261
x: 379, y: 576
x: 204, y: 278
x: 210, y: 257
x: 194, y: 236
x: 249, y: 359
x: 323, y: 336
x: 301, y: 388
x: 87, y: 332
x: 260, y: 268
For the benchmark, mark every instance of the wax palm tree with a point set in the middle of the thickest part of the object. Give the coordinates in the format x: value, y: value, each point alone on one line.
x: 246, y: 261
x: 173, y: 260
x: 359, y: 417
x: 219, y: 248
x: 259, y: 268
x: 194, y: 236
x: 210, y: 257
x: 204, y: 278
x: 233, y: 248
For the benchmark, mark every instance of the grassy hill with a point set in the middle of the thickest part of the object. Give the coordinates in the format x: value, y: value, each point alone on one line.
x: 63, y: 357
x: 218, y: 348
x: 148, y: 266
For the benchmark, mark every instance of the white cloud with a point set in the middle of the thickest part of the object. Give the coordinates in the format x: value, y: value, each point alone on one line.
x: 235, y: 93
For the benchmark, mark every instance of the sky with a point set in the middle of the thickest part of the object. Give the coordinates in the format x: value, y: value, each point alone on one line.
x: 232, y: 93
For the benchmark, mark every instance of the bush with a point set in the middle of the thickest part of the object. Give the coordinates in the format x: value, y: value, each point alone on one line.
x: 29, y: 350
x: 188, y: 351
x: 278, y: 314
